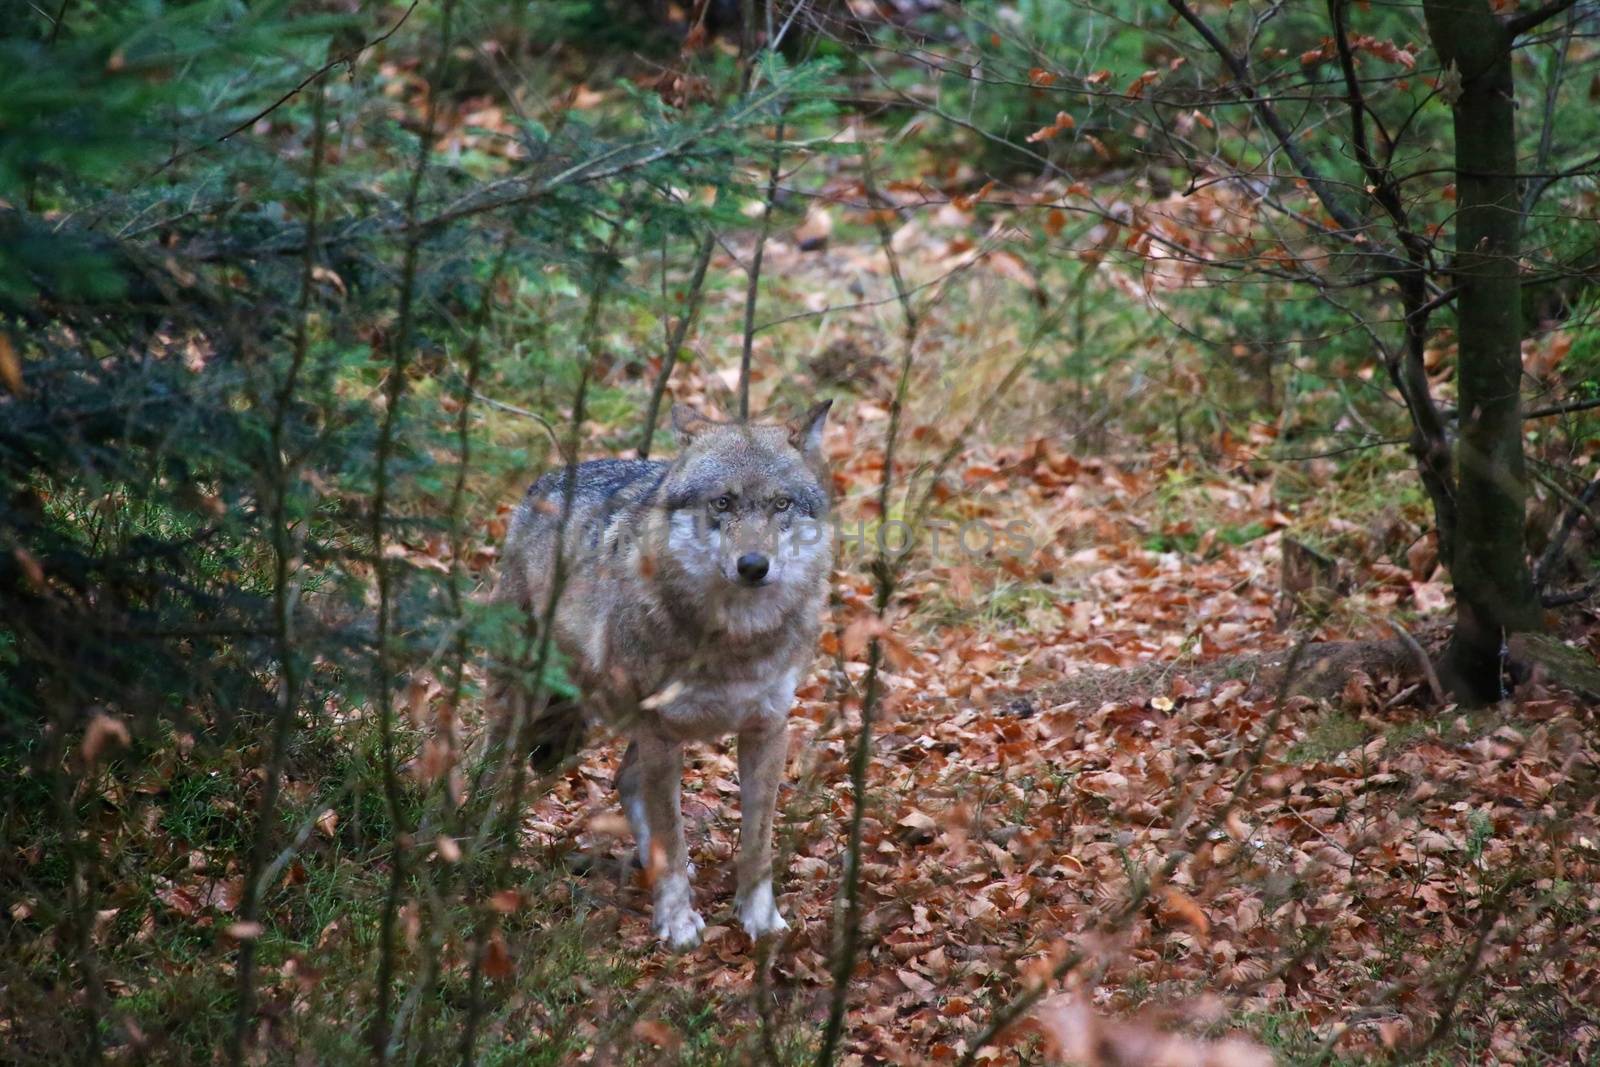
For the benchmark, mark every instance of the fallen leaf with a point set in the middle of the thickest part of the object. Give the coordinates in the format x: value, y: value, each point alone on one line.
x: 497, y: 965
x: 102, y: 734
x: 10, y: 367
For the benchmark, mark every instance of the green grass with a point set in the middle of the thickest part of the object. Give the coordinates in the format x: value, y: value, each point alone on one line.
x: 1188, y: 540
x: 169, y: 976
x: 1333, y: 735
x: 1295, y: 1042
x: 1337, y: 733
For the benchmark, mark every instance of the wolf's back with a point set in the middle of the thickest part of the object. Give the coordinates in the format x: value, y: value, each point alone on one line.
x: 602, y: 494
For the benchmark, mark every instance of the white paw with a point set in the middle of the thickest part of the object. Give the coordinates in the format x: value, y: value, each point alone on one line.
x: 758, y: 912
x: 678, y: 928
x: 675, y: 921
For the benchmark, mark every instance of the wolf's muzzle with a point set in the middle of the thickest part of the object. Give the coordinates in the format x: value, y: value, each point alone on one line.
x: 753, y: 567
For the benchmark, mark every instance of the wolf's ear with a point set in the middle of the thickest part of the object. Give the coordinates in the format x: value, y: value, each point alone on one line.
x: 805, y: 433
x: 688, y: 423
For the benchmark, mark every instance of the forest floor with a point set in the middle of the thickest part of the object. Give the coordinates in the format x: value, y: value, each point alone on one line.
x: 1109, y: 763
x: 1158, y: 773
x: 1359, y: 871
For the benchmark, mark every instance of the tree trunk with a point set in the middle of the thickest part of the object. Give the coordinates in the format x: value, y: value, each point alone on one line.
x: 1493, y: 588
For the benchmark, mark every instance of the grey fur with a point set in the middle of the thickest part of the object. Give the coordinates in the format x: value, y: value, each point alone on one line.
x: 671, y: 640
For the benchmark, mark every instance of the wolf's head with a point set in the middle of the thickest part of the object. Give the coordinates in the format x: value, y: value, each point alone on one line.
x: 746, y: 509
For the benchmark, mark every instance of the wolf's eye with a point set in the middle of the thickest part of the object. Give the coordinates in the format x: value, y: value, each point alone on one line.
x: 782, y: 504
x: 722, y: 503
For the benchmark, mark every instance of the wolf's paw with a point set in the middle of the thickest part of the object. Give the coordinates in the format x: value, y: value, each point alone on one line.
x: 675, y: 921
x: 758, y: 912
x: 678, y: 929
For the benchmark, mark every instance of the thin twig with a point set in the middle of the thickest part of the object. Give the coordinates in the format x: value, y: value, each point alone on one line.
x: 504, y: 819
x: 752, y: 289
x: 1562, y: 409
x: 1363, y: 446
x: 1547, y: 124
x: 886, y: 571
x: 56, y: 23
x: 1520, y: 24
x: 283, y: 597
x: 1577, y: 508
x: 1269, y: 118
x: 1420, y: 654
x: 1458, y: 986
x: 1584, y: 592
x: 512, y: 409
x: 424, y: 990
x: 679, y: 331
x: 394, y: 390
x: 346, y: 57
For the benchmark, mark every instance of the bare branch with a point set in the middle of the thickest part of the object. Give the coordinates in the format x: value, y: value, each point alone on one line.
x: 886, y: 572
x: 382, y: 674
x: 752, y: 290
x: 1577, y: 509
x: 1562, y: 409
x: 343, y: 57
x: 1269, y: 118
x: 285, y: 548
x: 1571, y: 596
x: 680, y: 330
x: 1517, y: 25
x: 1421, y: 656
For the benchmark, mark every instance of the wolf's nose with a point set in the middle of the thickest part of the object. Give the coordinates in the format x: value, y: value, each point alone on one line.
x: 753, y: 567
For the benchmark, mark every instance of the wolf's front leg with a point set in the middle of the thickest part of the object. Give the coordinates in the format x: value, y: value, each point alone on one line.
x: 661, y: 780
x: 762, y: 753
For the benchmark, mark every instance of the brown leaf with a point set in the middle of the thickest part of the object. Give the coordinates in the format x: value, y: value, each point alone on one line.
x: 10, y: 367
x: 31, y: 569
x: 1137, y: 87
x: 179, y: 900
x: 966, y: 203
x: 858, y: 636
x: 657, y: 1033
x: 1422, y: 557
x: 916, y: 983
x: 422, y: 686
x: 103, y: 732
x: 506, y: 901
x: 609, y: 824
x: 1076, y: 1035
x: 497, y: 965
x: 1180, y: 905
x: 225, y: 894
x: 1062, y: 123
x: 583, y: 98
x: 1010, y: 266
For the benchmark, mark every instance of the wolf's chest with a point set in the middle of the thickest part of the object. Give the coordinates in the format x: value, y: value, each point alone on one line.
x: 700, y: 709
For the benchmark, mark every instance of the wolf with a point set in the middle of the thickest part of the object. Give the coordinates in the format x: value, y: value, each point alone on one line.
x: 690, y: 610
